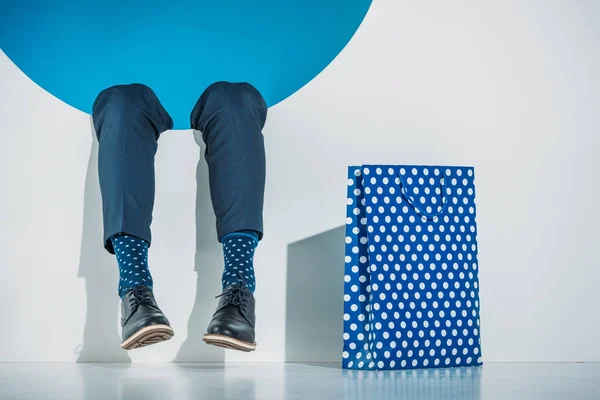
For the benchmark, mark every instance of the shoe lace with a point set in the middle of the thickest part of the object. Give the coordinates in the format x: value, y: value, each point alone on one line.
x: 141, y: 295
x: 237, y: 295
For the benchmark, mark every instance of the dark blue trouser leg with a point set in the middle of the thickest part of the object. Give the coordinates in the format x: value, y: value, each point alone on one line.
x: 231, y: 117
x: 128, y: 120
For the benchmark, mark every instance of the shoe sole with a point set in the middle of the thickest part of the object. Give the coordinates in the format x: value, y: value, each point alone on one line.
x: 148, y: 335
x: 229, y: 343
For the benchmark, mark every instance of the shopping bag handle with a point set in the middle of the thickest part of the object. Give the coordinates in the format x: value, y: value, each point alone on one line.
x: 407, y: 197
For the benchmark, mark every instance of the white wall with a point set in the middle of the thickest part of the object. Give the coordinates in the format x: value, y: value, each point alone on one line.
x: 511, y: 87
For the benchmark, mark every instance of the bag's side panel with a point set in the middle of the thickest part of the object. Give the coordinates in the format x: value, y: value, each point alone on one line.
x: 357, y: 280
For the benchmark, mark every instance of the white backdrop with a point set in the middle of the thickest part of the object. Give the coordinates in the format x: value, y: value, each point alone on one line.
x: 511, y: 87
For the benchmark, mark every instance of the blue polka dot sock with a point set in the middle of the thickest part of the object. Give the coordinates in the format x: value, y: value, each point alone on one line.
x: 132, y: 256
x: 238, y: 251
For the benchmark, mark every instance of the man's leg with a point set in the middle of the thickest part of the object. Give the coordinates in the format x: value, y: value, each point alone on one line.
x: 231, y: 117
x: 128, y: 120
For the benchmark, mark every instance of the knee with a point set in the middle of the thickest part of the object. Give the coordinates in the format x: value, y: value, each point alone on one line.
x: 237, y: 97
x: 119, y: 97
x: 227, y: 93
x: 124, y: 102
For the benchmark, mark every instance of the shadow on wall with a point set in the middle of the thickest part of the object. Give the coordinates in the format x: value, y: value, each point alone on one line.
x: 315, y: 298
x: 101, y: 336
x: 208, y: 267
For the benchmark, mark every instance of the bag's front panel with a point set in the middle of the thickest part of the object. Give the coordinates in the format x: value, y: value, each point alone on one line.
x: 356, y: 354
x: 424, y: 273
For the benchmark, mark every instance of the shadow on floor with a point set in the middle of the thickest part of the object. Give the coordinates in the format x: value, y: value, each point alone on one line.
x: 209, y: 367
x: 315, y: 299
x: 124, y: 381
x: 101, y: 336
x: 208, y: 267
x: 330, y: 365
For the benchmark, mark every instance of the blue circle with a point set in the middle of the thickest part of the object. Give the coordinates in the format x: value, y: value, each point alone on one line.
x: 76, y: 49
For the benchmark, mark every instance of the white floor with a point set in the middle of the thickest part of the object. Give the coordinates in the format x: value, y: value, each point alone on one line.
x: 294, y: 381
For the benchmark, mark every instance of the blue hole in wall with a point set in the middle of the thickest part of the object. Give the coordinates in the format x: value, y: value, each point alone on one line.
x: 76, y: 49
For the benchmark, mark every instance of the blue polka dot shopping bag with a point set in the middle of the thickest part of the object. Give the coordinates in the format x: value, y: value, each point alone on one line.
x: 411, y: 296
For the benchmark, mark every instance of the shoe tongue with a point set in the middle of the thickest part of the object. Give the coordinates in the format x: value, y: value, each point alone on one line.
x: 141, y: 295
x: 232, y: 287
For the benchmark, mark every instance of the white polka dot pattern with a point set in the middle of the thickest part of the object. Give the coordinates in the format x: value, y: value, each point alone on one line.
x: 132, y: 256
x: 238, y: 252
x: 411, y: 282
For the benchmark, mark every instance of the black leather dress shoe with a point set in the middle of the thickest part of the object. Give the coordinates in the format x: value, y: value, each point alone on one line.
x: 232, y: 325
x: 142, y: 321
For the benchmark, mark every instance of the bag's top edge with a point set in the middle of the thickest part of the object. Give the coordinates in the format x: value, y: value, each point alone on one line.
x: 410, y: 166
